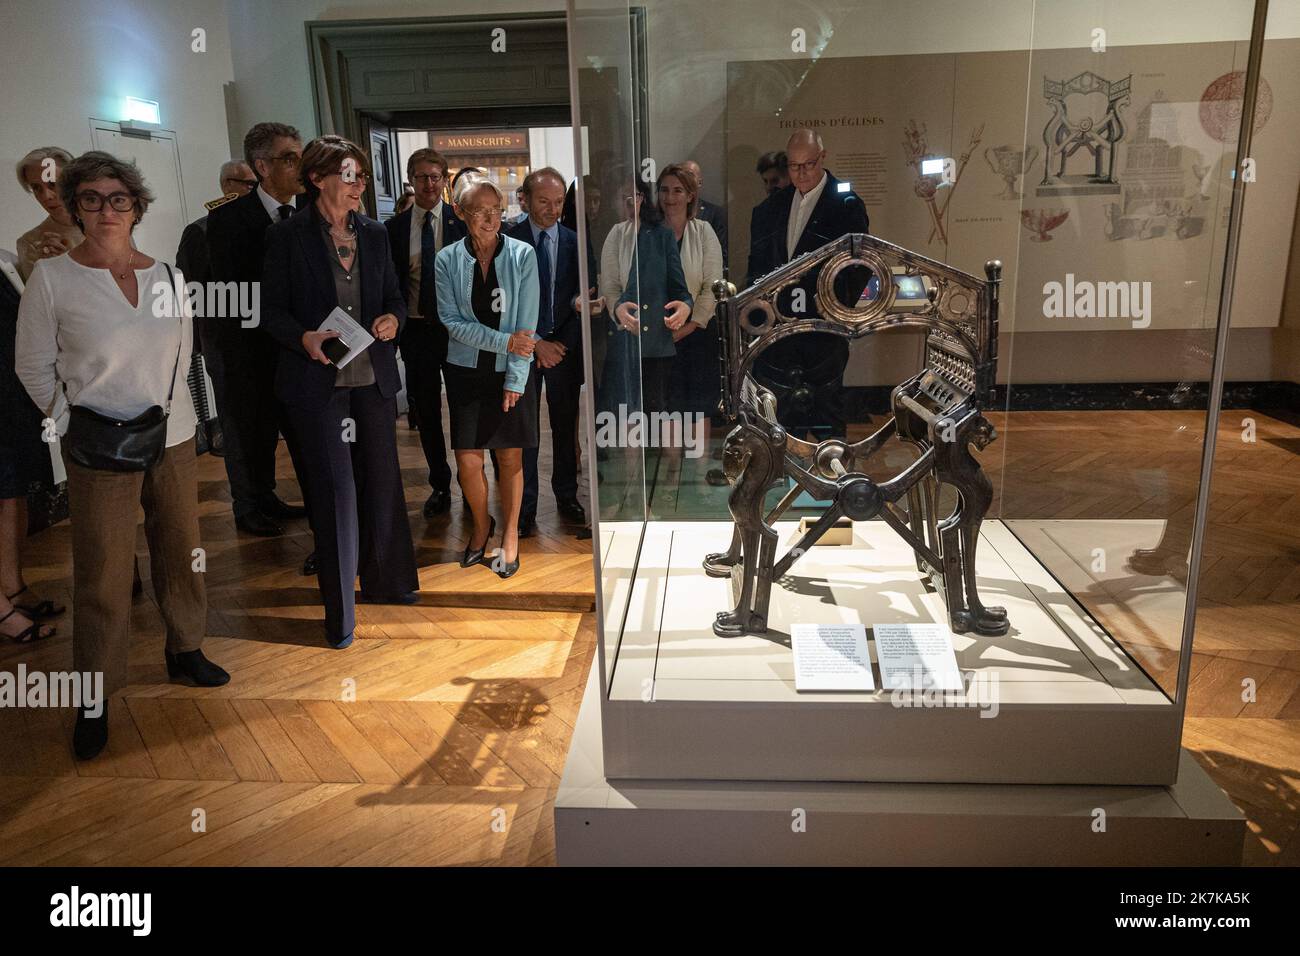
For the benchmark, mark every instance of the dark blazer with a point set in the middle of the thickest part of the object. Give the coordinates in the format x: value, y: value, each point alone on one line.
x: 399, y: 241
x: 658, y: 277
x: 192, y: 254
x: 836, y: 214
x: 568, y: 327
x: 237, y: 239
x: 298, y: 293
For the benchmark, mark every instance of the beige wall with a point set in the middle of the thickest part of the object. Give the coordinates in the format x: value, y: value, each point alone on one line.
x: 64, y: 62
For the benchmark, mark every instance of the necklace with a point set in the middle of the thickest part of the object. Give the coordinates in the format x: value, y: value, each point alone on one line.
x: 343, y: 243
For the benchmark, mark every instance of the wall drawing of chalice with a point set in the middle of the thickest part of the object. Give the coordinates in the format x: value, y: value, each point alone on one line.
x: 1042, y: 221
x: 1010, y: 162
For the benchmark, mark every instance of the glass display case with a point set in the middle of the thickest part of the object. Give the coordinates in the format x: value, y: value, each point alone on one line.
x: 906, y: 480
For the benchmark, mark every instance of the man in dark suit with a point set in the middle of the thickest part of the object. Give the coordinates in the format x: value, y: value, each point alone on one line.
x: 559, y: 349
x: 236, y: 180
x: 415, y: 237
x: 243, y: 368
x: 712, y: 213
x: 816, y: 208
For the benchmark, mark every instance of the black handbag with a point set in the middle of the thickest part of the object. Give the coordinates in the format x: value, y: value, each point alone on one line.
x: 112, y: 444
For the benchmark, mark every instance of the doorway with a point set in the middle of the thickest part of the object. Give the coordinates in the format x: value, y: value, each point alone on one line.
x: 496, y: 89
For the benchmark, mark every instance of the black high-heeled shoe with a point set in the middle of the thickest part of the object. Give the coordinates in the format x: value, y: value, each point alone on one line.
x: 501, y: 566
x: 196, y: 667
x: 473, y: 556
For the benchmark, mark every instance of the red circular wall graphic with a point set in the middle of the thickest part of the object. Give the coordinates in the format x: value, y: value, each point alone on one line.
x: 1221, y: 106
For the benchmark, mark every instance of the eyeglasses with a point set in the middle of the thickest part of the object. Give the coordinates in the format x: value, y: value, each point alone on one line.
x: 428, y: 177
x: 91, y: 201
x: 353, y: 177
x: 484, y: 212
x: 287, y: 159
x: 250, y: 183
x: 802, y: 167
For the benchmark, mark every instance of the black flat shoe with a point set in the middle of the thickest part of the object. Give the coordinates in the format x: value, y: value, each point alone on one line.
x: 527, y: 526
x: 571, y: 510
x: 275, y: 509
x: 410, y: 597
x: 91, y: 734
x: 258, y: 524
x: 194, y: 666
x: 473, y: 556
x: 437, y: 503
x: 310, y: 567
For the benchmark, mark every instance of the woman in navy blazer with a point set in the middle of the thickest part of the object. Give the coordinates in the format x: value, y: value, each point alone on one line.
x: 326, y: 256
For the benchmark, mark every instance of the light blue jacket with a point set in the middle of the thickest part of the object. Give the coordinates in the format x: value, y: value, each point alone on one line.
x: 521, y: 295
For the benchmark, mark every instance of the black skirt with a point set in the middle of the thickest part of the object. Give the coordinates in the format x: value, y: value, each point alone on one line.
x: 696, y: 382
x: 474, y: 404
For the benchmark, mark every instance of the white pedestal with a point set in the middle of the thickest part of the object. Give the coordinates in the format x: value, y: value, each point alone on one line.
x: 1072, y: 707
x: 698, y: 822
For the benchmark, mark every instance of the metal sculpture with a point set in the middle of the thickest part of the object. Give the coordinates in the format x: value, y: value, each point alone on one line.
x: 937, y: 411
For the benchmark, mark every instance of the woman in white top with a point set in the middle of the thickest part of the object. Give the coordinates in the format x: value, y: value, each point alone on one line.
x: 694, y: 388
x: 104, y: 328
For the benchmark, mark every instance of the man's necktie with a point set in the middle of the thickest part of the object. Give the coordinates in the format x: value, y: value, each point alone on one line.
x: 546, y: 317
x: 428, y: 252
x: 285, y: 211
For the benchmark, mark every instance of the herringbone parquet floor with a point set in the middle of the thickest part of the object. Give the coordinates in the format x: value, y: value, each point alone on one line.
x: 440, y: 736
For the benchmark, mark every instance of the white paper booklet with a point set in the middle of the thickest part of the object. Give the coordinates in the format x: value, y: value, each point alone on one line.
x: 916, y: 657
x: 356, y: 338
x: 831, y: 657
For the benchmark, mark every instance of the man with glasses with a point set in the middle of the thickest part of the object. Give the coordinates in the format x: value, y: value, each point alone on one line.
x: 242, y: 359
x: 415, y: 237
x: 816, y: 208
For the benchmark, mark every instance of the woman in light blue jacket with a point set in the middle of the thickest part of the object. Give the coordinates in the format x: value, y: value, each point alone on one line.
x: 488, y: 298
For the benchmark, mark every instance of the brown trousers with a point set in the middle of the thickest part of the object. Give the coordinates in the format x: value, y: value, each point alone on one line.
x: 104, y: 508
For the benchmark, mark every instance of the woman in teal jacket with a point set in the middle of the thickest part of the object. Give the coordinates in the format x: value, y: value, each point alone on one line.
x: 488, y: 299
x: 642, y: 280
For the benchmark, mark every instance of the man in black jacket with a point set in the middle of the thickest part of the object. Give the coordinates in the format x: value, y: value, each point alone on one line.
x: 236, y: 180
x: 415, y: 237
x: 243, y: 375
x: 559, y: 351
x: 816, y: 208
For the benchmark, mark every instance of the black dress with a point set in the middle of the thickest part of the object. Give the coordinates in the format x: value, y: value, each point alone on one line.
x: 695, y: 382
x: 474, y: 395
x: 24, y: 457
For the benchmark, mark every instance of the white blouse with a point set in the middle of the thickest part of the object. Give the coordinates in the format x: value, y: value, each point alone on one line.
x: 77, y: 332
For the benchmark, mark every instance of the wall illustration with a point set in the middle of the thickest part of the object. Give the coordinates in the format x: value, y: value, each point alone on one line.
x: 1085, y: 120
x: 928, y: 185
x: 1121, y: 171
x: 1009, y: 163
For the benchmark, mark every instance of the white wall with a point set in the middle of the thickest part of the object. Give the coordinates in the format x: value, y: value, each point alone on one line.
x: 63, y: 62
